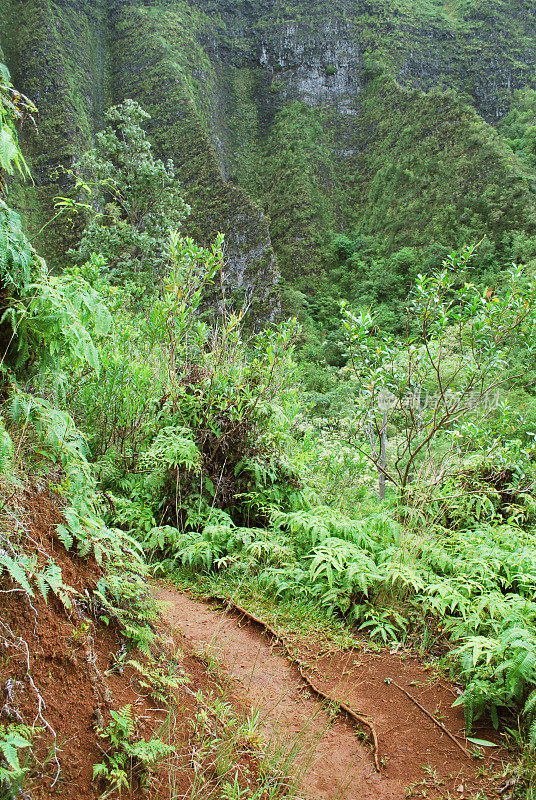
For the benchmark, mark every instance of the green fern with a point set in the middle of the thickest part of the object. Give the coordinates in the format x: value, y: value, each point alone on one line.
x: 51, y: 579
x: 172, y: 447
x: 127, y: 756
x: 14, y: 740
x: 17, y: 570
x: 6, y: 447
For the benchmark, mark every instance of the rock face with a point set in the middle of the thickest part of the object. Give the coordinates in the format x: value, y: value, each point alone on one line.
x: 271, y: 113
x: 319, y: 66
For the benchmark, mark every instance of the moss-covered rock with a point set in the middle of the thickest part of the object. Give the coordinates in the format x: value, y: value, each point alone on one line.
x: 292, y: 122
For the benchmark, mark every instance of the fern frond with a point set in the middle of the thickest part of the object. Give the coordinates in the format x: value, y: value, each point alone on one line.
x: 16, y: 571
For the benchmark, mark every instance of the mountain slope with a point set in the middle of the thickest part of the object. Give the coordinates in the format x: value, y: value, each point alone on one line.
x: 290, y: 123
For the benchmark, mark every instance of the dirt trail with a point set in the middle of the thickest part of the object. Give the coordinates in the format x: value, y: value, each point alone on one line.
x: 333, y: 763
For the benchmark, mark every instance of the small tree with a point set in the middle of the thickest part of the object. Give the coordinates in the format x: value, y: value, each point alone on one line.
x: 438, y: 387
x: 136, y: 197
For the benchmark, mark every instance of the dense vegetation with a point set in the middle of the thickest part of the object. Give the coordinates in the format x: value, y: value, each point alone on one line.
x: 179, y: 434
x: 354, y: 144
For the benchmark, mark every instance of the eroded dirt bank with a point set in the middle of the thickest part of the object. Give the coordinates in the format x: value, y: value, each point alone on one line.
x: 63, y: 670
x: 418, y: 759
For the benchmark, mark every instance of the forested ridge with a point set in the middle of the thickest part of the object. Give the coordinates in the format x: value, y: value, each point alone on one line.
x: 268, y: 319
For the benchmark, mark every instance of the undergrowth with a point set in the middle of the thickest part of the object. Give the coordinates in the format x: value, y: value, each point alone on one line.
x: 174, y: 439
x: 473, y: 587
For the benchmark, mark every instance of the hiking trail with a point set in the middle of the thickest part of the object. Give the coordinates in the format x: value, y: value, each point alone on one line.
x: 332, y: 757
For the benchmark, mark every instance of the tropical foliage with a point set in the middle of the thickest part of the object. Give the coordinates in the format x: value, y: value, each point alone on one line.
x: 137, y: 198
x: 181, y: 445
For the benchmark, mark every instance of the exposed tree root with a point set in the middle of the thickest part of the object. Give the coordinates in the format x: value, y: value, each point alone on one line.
x: 358, y: 718
x: 434, y: 719
x: 10, y: 640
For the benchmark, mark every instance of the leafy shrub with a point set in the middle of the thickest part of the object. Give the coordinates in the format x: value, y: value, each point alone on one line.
x: 127, y: 756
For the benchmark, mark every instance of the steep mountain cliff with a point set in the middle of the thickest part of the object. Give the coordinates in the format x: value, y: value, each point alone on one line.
x: 292, y: 122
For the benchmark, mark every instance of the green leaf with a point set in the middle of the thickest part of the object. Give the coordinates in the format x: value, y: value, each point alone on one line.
x: 103, y: 320
x: 481, y: 742
x: 9, y: 152
x: 43, y: 586
x: 9, y: 751
x: 65, y: 536
x: 16, y: 572
x: 17, y: 740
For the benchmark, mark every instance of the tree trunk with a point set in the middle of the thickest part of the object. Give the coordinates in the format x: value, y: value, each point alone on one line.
x: 383, y: 443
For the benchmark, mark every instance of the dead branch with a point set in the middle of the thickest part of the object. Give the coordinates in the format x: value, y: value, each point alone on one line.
x: 358, y: 718
x: 434, y: 720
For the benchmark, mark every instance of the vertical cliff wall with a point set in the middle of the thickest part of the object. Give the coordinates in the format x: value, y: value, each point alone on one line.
x: 290, y: 122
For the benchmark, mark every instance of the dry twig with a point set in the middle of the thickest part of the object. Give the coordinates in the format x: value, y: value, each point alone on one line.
x: 434, y: 719
x: 358, y: 718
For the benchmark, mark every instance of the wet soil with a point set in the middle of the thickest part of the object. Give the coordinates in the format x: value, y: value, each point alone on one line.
x: 70, y: 655
x: 332, y: 759
x: 57, y: 673
x: 54, y: 663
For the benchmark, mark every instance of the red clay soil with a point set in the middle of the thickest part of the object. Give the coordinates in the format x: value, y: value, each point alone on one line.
x: 334, y: 761
x: 69, y: 656
x: 66, y: 657
x: 58, y: 648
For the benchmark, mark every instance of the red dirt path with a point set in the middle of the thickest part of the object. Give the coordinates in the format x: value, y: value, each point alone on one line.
x: 333, y: 760
x: 419, y: 760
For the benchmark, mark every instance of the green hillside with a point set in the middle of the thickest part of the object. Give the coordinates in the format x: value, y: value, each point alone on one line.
x: 294, y: 123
